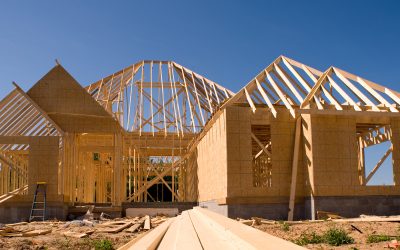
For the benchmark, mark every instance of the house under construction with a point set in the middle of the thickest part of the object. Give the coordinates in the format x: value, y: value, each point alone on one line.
x: 292, y: 142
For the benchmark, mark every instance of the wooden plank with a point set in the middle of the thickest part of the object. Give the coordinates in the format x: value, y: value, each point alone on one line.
x: 295, y: 162
x: 41, y: 111
x: 280, y: 94
x: 244, y: 237
x: 355, y: 90
x: 260, y: 144
x: 186, y: 237
x: 151, y: 240
x: 251, y: 103
x: 147, y: 223
x: 380, y: 162
x: 288, y: 83
x: 264, y: 95
x: 209, y: 239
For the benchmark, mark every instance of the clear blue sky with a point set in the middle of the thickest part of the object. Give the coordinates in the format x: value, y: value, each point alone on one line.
x: 226, y: 41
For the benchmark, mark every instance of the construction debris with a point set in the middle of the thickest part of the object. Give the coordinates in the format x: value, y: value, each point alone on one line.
x: 118, y: 231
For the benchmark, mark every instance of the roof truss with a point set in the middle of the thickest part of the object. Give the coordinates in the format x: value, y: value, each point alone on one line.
x: 289, y: 83
x: 19, y: 115
x: 159, y: 96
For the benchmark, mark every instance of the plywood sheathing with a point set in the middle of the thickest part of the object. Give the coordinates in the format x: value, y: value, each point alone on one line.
x: 240, y: 171
x: 68, y: 104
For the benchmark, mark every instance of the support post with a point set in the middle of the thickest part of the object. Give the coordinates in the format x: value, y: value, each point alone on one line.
x: 294, y: 168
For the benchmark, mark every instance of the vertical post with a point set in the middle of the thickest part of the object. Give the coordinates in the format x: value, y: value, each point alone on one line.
x: 117, y: 170
x: 294, y: 168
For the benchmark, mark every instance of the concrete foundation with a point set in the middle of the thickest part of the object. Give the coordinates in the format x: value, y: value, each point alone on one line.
x: 12, y: 213
x: 345, y: 206
x: 352, y: 206
x: 181, y: 206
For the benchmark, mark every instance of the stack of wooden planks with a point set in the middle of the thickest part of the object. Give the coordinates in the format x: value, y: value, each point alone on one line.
x: 200, y: 228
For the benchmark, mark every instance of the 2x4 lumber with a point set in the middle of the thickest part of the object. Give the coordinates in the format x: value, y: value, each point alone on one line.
x: 303, y: 82
x: 188, y: 99
x: 171, y: 69
x: 375, y: 86
x: 141, y: 100
x: 377, y: 166
x: 264, y: 95
x: 295, y: 162
x: 301, y: 65
x: 343, y: 93
x: 198, y: 101
x: 208, y: 98
x: 376, y: 95
x: 39, y: 109
x: 160, y: 76
x: 288, y: 83
x: 185, y: 236
x: 260, y: 144
x: 280, y: 94
x: 151, y: 97
x: 167, y: 185
x: 250, y: 101
x: 151, y: 240
x: 356, y: 91
x: 243, y: 236
x: 143, y: 188
x: 318, y: 85
x: 209, y: 239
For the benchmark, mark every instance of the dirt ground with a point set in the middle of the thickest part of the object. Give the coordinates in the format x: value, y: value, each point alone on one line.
x: 293, y: 232
x: 56, y: 239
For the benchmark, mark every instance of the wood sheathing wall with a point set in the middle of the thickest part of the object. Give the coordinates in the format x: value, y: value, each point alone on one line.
x: 241, y: 188
x: 331, y: 150
x: 212, y: 164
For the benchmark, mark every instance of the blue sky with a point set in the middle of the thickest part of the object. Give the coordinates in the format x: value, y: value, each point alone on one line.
x: 226, y: 41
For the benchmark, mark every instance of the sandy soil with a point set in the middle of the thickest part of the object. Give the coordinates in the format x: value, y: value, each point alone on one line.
x: 360, y: 239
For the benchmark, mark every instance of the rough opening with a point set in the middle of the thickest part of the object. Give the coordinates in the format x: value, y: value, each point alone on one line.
x: 261, y: 155
x: 375, y: 154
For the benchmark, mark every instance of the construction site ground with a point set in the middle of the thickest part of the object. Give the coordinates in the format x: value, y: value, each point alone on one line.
x: 84, y: 234
x: 294, y: 232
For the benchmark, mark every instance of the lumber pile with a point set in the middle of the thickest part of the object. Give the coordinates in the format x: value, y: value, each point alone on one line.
x: 200, y: 228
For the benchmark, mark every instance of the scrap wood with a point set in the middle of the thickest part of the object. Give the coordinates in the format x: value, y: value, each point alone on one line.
x: 16, y: 224
x: 116, y: 228
x: 321, y: 215
x: 36, y: 232
x: 74, y: 234
x: 136, y: 226
x: 247, y: 222
x: 158, y: 220
x: 257, y: 221
x: 355, y: 228
x: 147, y: 223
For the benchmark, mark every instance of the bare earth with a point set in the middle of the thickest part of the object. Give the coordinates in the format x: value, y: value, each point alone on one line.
x: 360, y: 239
x: 56, y: 240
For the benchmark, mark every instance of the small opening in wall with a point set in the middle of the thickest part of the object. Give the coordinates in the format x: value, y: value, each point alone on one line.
x: 375, y: 148
x: 261, y: 155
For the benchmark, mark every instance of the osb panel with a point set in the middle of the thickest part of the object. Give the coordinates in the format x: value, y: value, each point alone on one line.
x: 43, y: 164
x: 240, y: 177
x: 212, y: 162
x: 334, y: 156
x: 69, y: 105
